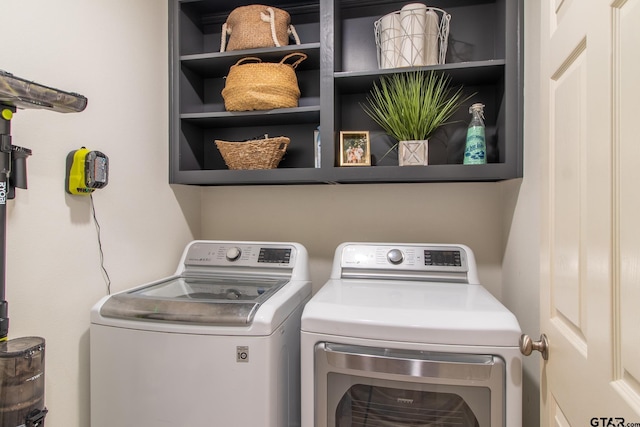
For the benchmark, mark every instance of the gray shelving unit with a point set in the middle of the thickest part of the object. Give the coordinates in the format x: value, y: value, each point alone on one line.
x: 484, y: 56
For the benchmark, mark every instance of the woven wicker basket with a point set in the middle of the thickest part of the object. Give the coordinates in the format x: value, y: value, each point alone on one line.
x: 256, y: 26
x: 255, y: 154
x: 261, y: 85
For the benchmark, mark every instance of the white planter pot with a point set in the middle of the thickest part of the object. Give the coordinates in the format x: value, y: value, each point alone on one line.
x: 413, y: 153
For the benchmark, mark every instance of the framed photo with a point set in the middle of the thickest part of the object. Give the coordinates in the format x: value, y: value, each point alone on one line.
x: 354, y: 148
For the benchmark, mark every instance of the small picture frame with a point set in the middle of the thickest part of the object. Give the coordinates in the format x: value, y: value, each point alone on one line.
x: 354, y: 148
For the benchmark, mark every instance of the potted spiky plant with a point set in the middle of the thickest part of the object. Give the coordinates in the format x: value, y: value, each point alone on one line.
x: 410, y: 107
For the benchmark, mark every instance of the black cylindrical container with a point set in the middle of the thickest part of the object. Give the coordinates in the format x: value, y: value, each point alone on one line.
x: 22, y: 382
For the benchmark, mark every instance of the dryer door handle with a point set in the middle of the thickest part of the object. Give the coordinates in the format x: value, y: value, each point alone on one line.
x: 411, y: 363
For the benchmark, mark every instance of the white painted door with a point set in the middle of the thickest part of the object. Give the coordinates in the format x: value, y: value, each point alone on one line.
x: 590, y: 192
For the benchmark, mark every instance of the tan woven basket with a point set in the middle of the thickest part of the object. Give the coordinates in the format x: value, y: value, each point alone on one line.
x: 256, y: 85
x: 255, y: 26
x: 255, y: 154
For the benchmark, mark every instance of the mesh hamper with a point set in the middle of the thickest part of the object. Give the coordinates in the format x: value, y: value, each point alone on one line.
x: 253, y: 154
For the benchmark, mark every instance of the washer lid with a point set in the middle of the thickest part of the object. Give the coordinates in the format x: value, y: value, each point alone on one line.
x: 231, y: 300
x: 416, y: 312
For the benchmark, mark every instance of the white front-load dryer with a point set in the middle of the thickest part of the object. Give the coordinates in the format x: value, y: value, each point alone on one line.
x: 216, y: 344
x: 404, y: 335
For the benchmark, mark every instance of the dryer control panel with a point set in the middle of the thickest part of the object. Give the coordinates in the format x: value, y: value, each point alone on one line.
x: 419, y: 261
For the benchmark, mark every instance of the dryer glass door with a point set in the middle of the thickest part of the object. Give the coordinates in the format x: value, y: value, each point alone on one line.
x: 371, y: 404
x: 363, y: 386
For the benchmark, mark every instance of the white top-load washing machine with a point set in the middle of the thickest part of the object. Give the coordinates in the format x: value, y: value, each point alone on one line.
x: 405, y: 335
x: 216, y: 344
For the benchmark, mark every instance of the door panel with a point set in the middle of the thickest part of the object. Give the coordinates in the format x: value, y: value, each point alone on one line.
x: 626, y: 92
x: 590, y: 252
x: 559, y: 420
x: 567, y: 142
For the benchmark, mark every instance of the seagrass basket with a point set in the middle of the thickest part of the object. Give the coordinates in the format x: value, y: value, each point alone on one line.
x: 254, y: 154
x: 255, y: 26
x: 255, y: 85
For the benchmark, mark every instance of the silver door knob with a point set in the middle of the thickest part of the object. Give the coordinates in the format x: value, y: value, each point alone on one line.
x: 527, y: 345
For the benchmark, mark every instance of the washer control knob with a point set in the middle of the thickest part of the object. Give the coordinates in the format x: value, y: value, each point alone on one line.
x: 233, y: 253
x: 395, y: 256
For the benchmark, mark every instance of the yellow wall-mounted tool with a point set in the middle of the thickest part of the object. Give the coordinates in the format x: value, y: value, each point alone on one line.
x: 87, y: 171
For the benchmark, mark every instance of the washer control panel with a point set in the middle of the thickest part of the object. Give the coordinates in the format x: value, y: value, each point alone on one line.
x: 215, y: 254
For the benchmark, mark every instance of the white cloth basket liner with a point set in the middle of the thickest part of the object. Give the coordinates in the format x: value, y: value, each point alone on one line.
x: 416, y: 35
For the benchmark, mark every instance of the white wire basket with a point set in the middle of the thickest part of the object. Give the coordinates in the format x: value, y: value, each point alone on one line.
x: 416, y: 35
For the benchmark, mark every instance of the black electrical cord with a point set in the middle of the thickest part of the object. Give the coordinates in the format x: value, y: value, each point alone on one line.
x: 104, y: 270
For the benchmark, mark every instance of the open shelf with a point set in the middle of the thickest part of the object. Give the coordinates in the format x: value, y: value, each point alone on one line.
x: 484, y: 58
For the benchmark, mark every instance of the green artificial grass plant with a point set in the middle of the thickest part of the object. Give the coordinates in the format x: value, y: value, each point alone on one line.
x: 411, y: 106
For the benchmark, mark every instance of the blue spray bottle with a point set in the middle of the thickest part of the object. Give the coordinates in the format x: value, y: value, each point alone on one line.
x: 475, y: 152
